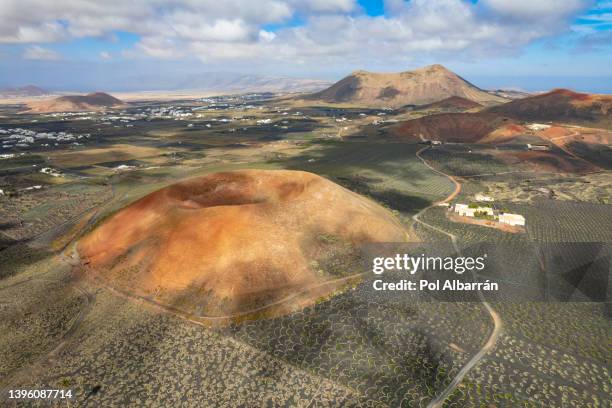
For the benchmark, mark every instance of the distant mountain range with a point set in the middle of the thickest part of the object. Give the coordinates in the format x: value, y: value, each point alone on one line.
x: 221, y: 82
x: 425, y: 85
x: 228, y: 82
x: 22, y: 91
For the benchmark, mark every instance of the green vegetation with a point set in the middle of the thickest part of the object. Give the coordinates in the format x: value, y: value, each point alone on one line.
x: 483, y: 215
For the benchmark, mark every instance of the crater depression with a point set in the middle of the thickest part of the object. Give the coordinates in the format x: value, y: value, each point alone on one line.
x: 238, y: 242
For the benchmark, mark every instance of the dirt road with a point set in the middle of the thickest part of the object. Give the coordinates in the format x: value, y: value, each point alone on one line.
x: 497, y: 321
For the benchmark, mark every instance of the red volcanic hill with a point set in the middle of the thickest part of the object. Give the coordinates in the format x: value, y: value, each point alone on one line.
x: 421, y: 86
x: 77, y: 103
x: 235, y: 242
x: 459, y: 127
x: 560, y: 105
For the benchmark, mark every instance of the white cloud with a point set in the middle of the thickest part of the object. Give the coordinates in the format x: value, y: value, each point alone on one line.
x: 37, y: 52
x: 44, y: 32
x: 105, y: 55
x: 325, y: 6
x: 190, y: 27
x: 266, y: 36
x: 535, y: 9
x: 334, y: 30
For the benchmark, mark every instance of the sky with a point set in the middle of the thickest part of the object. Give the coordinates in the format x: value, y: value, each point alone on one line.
x: 117, y: 45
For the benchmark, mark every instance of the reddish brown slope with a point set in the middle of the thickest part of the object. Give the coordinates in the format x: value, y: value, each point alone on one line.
x: 233, y: 242
x: 460, y: 128
x: 560, y: 105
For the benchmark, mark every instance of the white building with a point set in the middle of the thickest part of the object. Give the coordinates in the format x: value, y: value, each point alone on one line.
x: 463, y: 209
x: 466, y: 211
x: 482, y: 197
x: 539, y: 147
x: 51, y: 172
x: 537, y: 126
x: 512, y: 219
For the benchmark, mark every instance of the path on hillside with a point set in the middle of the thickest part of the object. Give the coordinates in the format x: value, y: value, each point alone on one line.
x: 561, y: 146
x: 495, y: 317
x: 221, y: 318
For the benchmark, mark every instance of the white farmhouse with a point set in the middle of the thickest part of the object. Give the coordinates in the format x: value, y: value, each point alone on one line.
x: 463, y: 209
x: 512, y: 219
x: 466, y: 211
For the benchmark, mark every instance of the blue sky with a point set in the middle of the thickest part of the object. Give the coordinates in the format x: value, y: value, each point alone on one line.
x: 112, y: 45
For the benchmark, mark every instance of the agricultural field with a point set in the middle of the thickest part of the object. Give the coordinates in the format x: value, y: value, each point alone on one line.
x: 352, y: 347
x: 592, y: 188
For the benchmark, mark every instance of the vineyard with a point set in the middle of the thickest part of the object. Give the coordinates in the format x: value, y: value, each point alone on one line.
x: 592, y: 188
x: 465, y: 160
x: 389, y: 349
x: 566, y: 221
x: 389, y: 173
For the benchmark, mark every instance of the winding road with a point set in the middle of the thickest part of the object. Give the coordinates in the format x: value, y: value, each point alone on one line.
x: 495, y: 317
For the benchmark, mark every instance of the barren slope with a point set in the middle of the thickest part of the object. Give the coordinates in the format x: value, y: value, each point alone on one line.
x: 233, y: 242
x: 561, y: 105
x: 75, y: 103
x: 422, y: 86
x: 459, y: 127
